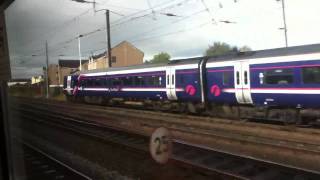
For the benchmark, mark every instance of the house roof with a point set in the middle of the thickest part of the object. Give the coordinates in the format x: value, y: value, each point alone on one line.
x: 71, y: 63
x: 127, y: 42
x: 121, y: 43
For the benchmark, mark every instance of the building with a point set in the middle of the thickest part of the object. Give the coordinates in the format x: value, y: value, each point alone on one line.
x: 57, y: 72
x: 21, y: 82
x: 37, y: 79
x: 123, y: 54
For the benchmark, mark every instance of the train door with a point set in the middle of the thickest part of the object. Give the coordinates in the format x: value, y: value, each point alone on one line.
x: 69, y: 88
x: 242, y: 82
x: 171, y: 83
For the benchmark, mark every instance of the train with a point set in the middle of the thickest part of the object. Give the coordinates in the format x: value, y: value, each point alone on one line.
x: 281, y: 84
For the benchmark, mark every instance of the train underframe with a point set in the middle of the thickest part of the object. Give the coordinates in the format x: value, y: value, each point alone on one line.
x: 273, y: 114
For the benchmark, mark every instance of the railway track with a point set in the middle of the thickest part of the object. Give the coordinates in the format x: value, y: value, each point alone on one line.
x: 40, y: 165
x: 102, y: 123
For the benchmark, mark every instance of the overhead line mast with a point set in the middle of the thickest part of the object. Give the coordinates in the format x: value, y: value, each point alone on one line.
x: 284, y: 22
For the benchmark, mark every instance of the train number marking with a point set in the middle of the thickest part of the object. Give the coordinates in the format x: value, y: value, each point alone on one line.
x: 161, y: 145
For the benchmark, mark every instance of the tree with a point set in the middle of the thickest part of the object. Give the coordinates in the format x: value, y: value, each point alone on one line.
x: 245, y: 49
x: 221, y: 48
x: 162, y: 57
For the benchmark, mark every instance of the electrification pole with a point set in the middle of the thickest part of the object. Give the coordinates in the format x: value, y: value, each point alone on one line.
x: 108, y: 38
x: 79, y: 46
x: 284, y: 23
x: 47, y: 71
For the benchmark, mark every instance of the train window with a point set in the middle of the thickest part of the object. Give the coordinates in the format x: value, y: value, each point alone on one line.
x: 89, y: 83
x: 142, y: 79
x: 226, y: 78
x: 83, y: 83
x: 102, y: 82
x: 167, y: 79
x: 98, y: 82
x: 107, y: 82
x: 245, y: 77
x: 128, y: 81
x: 72, y: 83
x: 311, y: 75
x: 238, y: 78
x: 116, y: 82
x: 278, y: 76
x: 153, y: 80
x: 136, y: 81
x: 139, y: 80
x: 173, y: 79
x: 65, y: 82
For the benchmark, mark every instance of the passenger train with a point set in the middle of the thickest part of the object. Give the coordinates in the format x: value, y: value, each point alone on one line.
x: 280, y: 84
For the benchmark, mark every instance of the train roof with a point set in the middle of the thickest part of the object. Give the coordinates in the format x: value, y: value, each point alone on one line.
x: 140, y: 66
x: 143, y: 66
x: 233, y: 56
x: 294, y: 50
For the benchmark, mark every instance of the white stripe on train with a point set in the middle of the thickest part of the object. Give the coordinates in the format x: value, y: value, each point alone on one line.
x: 267, y: 60
x: 130, y: 89
x: 278, y: 91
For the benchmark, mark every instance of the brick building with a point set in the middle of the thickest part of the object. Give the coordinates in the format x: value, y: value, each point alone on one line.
x: 123, y: 54
x: 63, y: 68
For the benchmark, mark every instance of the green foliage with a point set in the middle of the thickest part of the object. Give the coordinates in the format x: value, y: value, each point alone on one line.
x: 162, y: 57
x: 221, y: 48
x: 245, y: 49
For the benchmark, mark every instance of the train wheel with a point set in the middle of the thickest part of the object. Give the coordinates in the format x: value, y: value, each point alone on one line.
x: 157, y: 106
x: 191, y: 108
x: 68, y: 98
x: 182, y: 108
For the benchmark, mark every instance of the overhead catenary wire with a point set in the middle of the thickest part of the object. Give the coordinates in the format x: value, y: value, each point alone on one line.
x: 123, y: 7
x: 132, y: 17
x: 60, y: 27
x: 158, y: 36
x: 162, y: 6
x: 151, y: 30
x: 209, y: 11
x: 145, y: 10
x: 166, y: 25
x: 103, y: 28
x: 172, y: 33
x: 57, y: 28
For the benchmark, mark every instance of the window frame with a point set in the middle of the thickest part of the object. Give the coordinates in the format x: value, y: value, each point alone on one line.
x: 226, y: 78
x: 273, y: 74
x: 303, y: 75
x: 128, y: 79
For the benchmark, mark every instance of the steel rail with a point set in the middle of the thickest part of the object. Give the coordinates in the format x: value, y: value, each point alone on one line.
x: 118, y: 137
x: 37, y: 111
x: 62, y: 170
x: 190, y: 126
x: 206, y: 119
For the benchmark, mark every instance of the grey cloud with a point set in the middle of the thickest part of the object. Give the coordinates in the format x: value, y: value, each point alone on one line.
x: 30, y: 23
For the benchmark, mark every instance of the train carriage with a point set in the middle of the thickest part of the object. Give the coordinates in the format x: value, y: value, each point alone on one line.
x: 277, y: 78
x: 287, y: 81
x: 287, y: 77
x: 178, y: 81
x: 186, y: 75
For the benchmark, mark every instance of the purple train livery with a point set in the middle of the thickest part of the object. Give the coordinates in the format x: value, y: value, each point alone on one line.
x: 282, y: 83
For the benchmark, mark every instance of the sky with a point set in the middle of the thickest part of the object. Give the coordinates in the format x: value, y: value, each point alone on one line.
x: 145, y: 23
